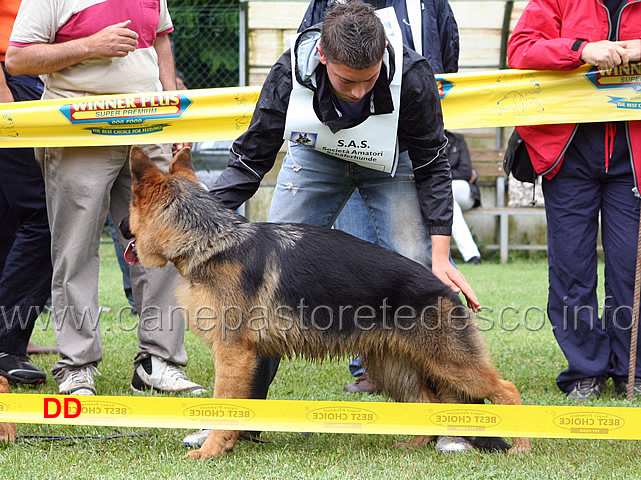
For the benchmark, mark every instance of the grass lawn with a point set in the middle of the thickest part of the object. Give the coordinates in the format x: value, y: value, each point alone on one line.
x: 521, y: 344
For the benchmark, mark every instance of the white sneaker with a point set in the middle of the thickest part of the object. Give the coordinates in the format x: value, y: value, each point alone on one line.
x: 157, y: 374
x: 79, y: 381
x: 446, y: 444
x: 196, y: 439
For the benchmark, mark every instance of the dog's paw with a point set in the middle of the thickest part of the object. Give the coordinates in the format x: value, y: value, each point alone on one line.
x: 518, y: 451
x: 521, y: 446
x: 202, y: 454
x: 7, y: 432
x: 197, y: 455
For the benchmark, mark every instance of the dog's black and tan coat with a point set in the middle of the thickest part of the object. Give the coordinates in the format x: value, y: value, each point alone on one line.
x: 293, y: 289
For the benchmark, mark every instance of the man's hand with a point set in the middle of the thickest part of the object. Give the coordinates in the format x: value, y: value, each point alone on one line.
x: 606, y: 54
x: 177, y: 147
x: 113, y: 41
x: 454, y: 279
x: 633, y: 49
x: 448, y: 274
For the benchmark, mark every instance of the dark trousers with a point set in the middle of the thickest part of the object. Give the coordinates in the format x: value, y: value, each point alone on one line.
x: 25, y: 279
x: 25, y: 241
x: 595, y: 338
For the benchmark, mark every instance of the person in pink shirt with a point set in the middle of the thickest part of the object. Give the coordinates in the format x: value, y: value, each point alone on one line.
x: 95, y: 47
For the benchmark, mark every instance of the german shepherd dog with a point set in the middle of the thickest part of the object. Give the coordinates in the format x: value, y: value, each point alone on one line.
x: 272, y: 289
x: 7, y: 430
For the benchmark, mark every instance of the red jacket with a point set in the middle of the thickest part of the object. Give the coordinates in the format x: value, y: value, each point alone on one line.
x: 551, y: 35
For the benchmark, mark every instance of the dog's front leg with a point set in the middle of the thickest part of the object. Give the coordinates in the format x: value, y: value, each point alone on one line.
x: 7, y: 430
x: 235, y: 367
x: 218, y: 443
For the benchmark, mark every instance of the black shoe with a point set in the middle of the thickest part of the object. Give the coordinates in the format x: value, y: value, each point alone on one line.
x: 474, y: 261
x: 17, y: 368
x: 587, y: 388
x: 621, y: 387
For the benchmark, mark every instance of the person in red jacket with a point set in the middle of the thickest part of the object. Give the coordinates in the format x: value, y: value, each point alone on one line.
x: 590, y: 171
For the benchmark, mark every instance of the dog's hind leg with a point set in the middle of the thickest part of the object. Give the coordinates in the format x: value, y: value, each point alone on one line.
x: 425, y: 396
x: 505, y: 393
x: 480, y: 381
x: 235, y: 365
x: 402, y: 384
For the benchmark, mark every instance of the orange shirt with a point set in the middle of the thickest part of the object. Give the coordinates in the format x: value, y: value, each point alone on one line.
x: 8, y: 12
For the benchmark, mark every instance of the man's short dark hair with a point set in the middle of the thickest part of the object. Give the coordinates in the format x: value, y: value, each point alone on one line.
x: 352, y: 35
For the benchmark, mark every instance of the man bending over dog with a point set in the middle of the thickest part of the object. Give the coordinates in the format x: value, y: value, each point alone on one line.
x: 257, y: 291
x: 354, y: 97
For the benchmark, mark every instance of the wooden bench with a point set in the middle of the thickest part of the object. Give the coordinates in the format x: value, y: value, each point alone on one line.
x: 488, y: 161
x: 489, y: 164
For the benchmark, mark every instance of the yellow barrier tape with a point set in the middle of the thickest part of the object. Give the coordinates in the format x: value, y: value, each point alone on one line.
x: 470, y: 100
x: 313, y: 416
x: 530, y: 97
x: 161, y: 117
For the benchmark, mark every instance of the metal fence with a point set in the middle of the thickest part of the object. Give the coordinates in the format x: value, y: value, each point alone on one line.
x: 206, y: 45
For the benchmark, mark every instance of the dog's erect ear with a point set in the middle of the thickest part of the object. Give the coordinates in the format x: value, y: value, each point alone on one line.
x: 140, y: 164
x: 182, y: 160
x: 181, y: 164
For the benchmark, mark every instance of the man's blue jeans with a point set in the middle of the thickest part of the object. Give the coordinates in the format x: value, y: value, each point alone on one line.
x: 313, y: 188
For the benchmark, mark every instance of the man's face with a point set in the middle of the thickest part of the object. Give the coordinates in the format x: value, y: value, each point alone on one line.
x: 350, y: 84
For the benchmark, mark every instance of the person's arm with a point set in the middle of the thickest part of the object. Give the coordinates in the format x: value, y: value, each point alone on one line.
x: 421, y: 128
x: 446, y: 272
x: 253, y: 154
x: 5, y: 94
x: 536, y: 42
x: 605, y: 54
x: 166, y: 66
x: 471, y: 175
x: 167, y: 73
x: 42, y: 58
x: 448, y: 36
x: 459, y: 157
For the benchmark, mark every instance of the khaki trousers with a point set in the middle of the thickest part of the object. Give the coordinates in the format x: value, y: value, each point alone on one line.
x: 82, y: 185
